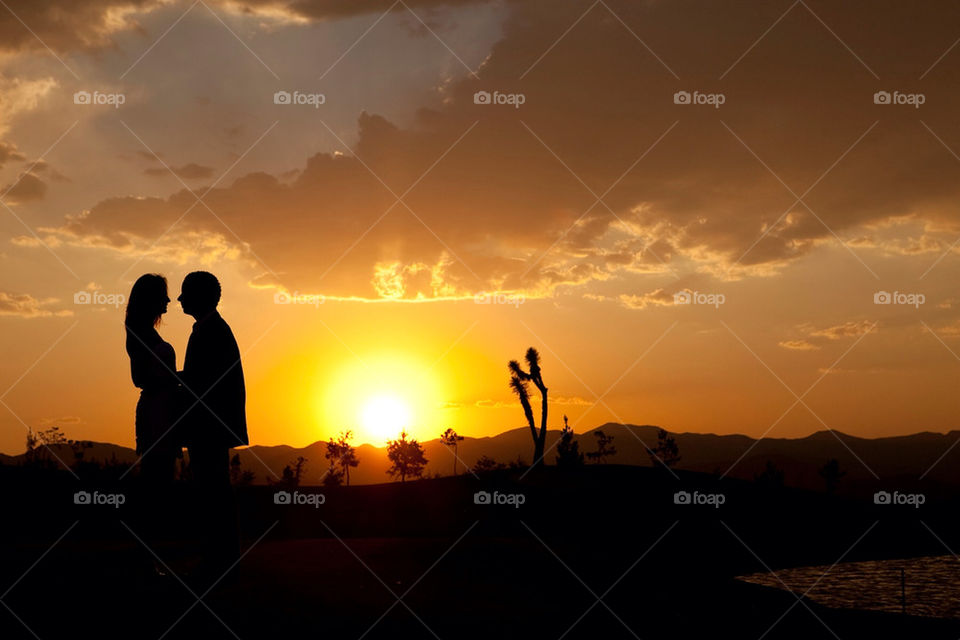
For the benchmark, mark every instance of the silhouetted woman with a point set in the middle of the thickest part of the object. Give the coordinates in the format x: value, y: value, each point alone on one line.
x: 153, y: 366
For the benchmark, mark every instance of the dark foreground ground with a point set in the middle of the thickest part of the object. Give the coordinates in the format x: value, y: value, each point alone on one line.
x: 604, y: 553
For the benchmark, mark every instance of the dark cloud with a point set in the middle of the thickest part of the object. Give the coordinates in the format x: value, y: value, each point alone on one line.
x: 189, y: 171
x: 66, y: 26
x: 513, y: 204
x: 43, y: 167
x: 332, y: 9
x: 9, y: 152
x: 28, y: 187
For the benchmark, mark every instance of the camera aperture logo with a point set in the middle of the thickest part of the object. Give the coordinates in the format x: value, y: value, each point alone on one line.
x: 912, y: 99
x: 699, y: 498
x: 711, y: 99
x: 97, y: 498
x: 298, y: 498
x: 485, y: 97
x: 513, y: 499
x: 115, y: 300
x: 898, y: 297
x: 284, y: 297
x: 299, y: 98
x: 897, y: 498
x: 696, y: 297
x: 99, y: 98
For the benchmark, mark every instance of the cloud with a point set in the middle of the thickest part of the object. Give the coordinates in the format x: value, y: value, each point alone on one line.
x: 28, y: 187
x: 90, y: 25
x: 850, y: 329
x: 493, y: 404
x: 949, y: 330
x: 44, y: 167
x: 798, y: 345
x: 560, y: 400
x: 62, y: 420
x: 839, y: 370
x: 572, y: 401
x: 506, y: 199
x: 20, y: 96
x: 189, y: 171
x: 9, y: 152
x: 34, y: 25
x: 311, y: 10
x: 24, y: 305
x: 658, y: 298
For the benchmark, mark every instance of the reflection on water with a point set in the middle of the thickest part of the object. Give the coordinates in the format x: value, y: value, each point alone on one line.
x: 931, y: 585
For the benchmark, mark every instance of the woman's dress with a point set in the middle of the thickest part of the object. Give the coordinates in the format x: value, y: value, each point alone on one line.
x: 153, y: 366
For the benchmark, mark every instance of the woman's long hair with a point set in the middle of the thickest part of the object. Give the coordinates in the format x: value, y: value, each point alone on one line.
x: 147, y: 299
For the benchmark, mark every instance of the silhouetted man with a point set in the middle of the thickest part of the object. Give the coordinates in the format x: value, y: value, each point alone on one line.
x: 217, y: 422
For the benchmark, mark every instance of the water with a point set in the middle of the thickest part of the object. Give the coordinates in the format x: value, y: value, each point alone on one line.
x: 932, y: 585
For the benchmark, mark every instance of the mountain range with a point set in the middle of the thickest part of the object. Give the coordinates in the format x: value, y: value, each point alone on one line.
x: 867, y: 463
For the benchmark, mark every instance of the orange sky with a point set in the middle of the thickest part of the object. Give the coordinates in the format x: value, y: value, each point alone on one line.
x: 428, y: 236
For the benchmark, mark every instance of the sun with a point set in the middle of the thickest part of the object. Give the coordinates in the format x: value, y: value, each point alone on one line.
x: 383, y: 416
x: 376, y: 398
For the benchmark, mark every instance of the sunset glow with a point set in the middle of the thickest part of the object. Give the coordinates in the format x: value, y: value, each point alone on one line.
x: 384, y: 416
x: 390, y: 219
x: 376, y: 396
x: 696, y: 262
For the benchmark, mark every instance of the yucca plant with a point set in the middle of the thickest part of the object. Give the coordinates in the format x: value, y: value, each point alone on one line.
x: 518, y: 383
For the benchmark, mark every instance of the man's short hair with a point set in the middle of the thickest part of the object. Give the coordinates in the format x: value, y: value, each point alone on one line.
x: 204, y: 285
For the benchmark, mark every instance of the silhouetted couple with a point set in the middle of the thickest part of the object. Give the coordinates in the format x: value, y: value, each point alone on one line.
x: 201, y: 408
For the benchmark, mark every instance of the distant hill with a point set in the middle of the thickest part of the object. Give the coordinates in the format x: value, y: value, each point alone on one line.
x: 898, y: 461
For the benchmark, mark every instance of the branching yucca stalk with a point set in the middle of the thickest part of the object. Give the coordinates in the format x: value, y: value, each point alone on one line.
x: 518, y: 383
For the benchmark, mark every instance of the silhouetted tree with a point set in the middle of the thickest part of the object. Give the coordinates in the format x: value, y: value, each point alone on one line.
x: 333, y: 477
x: 52, y: 437
x: 238, y: 475
x: 291, y: 474
x: 40, y: 448
x: 406, y: 457
x: 518, y: 382
x: 486, y: 463
x: 450, y: 438
x: 771, y: 478
x: 605, y: 447
x: 831, y: 474
x: 516, y: 465
x: 568, y: 449
x: 287, y: 478
x: 341, y: 454
x: 235, y: 468
x: 667, y: 452
x: 298, y: 468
